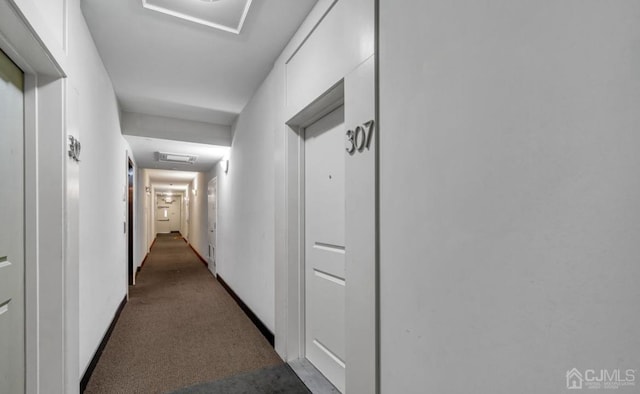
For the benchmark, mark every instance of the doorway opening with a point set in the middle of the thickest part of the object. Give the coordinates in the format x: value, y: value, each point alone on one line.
x: 130, y: 223
x: 334, y: 266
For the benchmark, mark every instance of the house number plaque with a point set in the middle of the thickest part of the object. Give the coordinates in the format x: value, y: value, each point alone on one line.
x: 74, y: 148
x: 359, y: 138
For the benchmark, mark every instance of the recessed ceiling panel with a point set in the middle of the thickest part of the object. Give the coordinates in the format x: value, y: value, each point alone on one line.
x: 227, y: 15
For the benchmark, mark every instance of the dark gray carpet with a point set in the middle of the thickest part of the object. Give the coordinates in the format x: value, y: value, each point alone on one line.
x: 274, y: 380
x: 179, y: 328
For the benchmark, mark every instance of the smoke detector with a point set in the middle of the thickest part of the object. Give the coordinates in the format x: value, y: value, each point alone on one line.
x: 176, y: 158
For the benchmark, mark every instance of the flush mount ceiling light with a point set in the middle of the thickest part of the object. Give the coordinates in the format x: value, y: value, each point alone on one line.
x: 228, y: 15
x: 176, y: 158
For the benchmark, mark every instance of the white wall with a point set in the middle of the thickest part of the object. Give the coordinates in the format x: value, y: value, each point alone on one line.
x: 245, y: 257
x: 95, y: 235
x: 162, y: 127
x: 184, y: 214
x: 252, y: 244
x: 55, y: 14
x: 142, y: 215
x: 509, y: 193
x: 197, y: 235
x: 88, y: 101
x: 51, y: 181
x: 103, y: 274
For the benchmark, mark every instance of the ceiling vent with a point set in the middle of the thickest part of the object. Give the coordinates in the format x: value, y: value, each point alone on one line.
x: 176, y: 158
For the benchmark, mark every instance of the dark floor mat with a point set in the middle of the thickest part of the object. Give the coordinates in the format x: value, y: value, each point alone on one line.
x: 279, y: 379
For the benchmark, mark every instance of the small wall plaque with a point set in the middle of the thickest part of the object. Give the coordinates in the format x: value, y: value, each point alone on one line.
x: 74, y: 148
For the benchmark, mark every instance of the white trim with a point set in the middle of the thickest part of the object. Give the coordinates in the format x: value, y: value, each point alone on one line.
x: 329, y: 277
x: 295, y: 224
x: 32, y: 239
x: 329, y: 353
x: 29, y: 50
x: 244, y: 16
x: 44, y: 92
x: 201, y: 21
x: 72, y: 239
x: 356, y: 93
x: 329, y: 247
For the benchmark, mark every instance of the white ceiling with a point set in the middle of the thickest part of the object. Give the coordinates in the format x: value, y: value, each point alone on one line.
x: 224, y: 15
x: 170, y: 67
x: 163, y: 65
x: 146, y: 149
x: 164, y: 180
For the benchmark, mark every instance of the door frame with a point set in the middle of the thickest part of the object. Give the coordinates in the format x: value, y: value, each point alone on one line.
x: 51, y: 204
x: 12, y: 249
x: 295, y: 206
x: 334, y: 103
x: 356, y: 91
x: 130, y: 220
x: 212, y: 258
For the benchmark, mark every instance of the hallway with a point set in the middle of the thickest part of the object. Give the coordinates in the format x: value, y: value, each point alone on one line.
x: 402, y: 196
x: 179, y: 328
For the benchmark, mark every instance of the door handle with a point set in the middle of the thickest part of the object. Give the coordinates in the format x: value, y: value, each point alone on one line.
x: 3, y: 259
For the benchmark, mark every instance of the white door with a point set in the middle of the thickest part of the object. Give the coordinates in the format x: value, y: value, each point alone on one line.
x: 212, y: 211
x: 11, y: 228
x: 324, y: 246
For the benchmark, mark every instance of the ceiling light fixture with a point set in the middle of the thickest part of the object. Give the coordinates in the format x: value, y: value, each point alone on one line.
x: 176, y: 158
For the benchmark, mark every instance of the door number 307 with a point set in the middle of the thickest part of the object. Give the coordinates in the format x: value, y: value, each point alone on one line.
x: 360, y: 138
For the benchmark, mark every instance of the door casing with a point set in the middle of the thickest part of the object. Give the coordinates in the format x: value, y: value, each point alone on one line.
x: 129, y: 224
x: 357, y: 93
x: 51, y: 204
x: 12, y: 301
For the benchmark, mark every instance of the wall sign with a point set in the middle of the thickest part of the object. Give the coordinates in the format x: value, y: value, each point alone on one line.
x: 74, y: 148
x: 360, y: 138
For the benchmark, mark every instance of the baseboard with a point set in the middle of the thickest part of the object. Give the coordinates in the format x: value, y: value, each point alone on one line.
x: 143, y: 261
x: 252, y: 316
x: 202, y: 259
x: 96, y: 357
